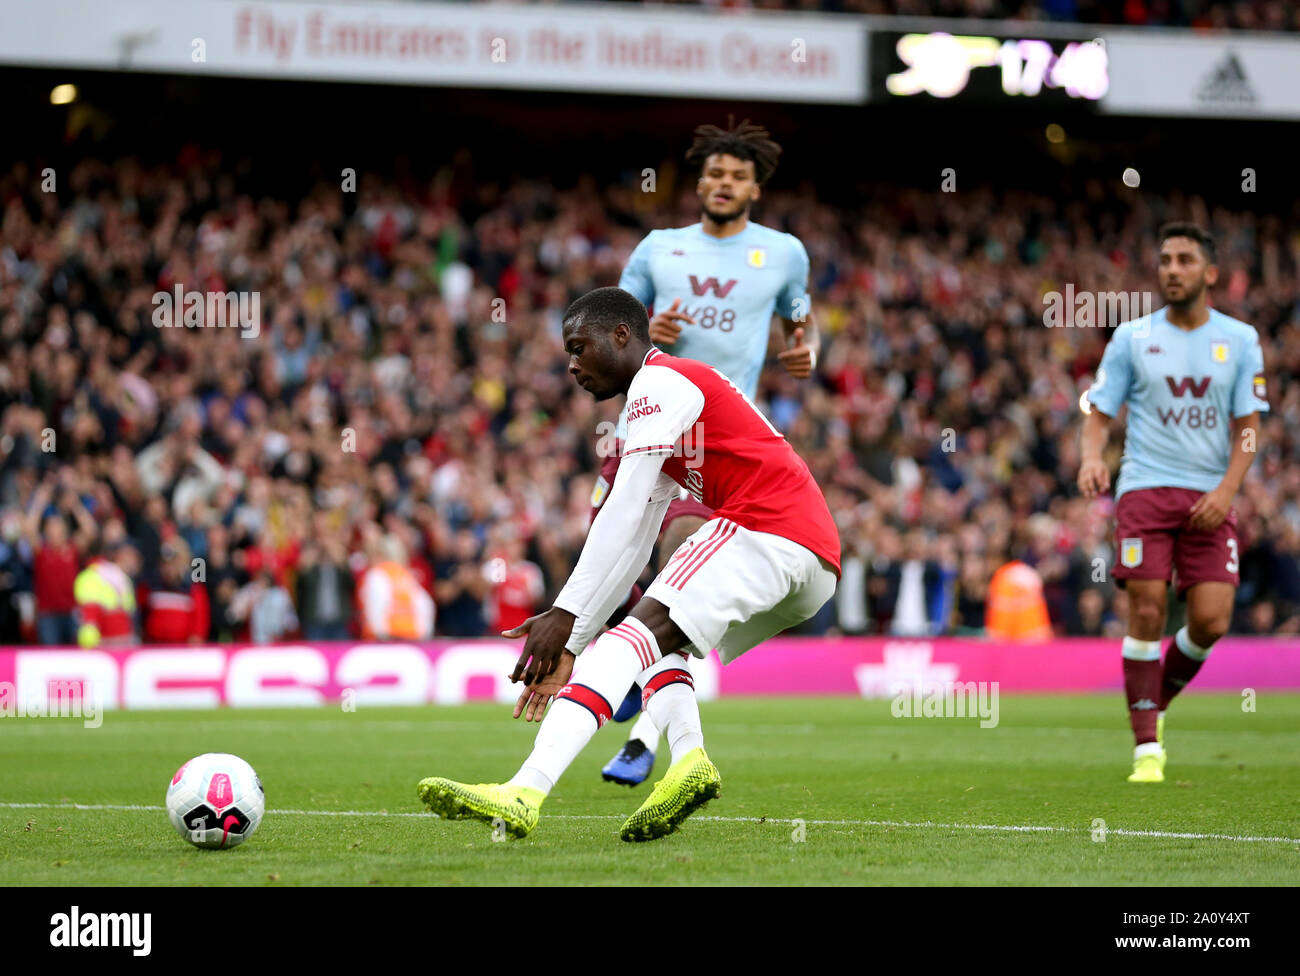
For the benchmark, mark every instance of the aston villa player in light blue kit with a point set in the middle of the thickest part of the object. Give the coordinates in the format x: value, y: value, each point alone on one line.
x: 715, y: 287
x: 1193, y: 380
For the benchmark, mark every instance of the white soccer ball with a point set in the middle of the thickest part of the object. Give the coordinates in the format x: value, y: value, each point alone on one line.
x: 215, y: 800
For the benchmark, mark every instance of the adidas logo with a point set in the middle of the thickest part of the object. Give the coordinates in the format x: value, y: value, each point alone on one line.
x: 1226, y: 84
x: 1144, y: 704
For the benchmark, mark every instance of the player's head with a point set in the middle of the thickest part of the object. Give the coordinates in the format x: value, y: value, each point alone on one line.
x: 734, y: 164
x: 1187, y: 267
x: 606, y: 334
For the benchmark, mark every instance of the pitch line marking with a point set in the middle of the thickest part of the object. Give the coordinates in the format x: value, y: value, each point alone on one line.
x: 1002, y: 828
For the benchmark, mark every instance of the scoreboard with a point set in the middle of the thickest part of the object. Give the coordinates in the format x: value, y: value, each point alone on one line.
x: 987, y: 68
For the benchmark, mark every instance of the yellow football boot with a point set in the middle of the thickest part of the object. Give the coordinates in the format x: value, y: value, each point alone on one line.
x: 690, y: 783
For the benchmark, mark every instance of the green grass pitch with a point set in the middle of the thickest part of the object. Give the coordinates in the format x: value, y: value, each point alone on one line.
x: 883, y: 800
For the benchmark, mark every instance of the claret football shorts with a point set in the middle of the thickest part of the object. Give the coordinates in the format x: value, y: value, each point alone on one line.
x: 1154, y: 542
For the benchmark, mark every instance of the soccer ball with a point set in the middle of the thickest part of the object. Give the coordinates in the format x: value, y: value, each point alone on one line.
x: 215, y: 800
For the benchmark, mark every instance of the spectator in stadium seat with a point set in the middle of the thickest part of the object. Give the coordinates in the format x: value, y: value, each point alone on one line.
x: 942, y: 592
x: 178, y: 467
x: 222, y: 579
x: 22, y: 425
x: 972, y: 594
x: 1260, y: 618
x: 223, y: 625
x: 1016, y: 610
x: 105, y: 592
x: 267, y: 607
x: 325, y: 589
x: 175, y: 606
x: 275, y: 556
x: 1090, y: 618
x: 460, y: 589
x: 915, y: 582
x: 882, y: 578
x: 1045, y: 553
x: 1278, y: 553
x: 149, y: 527
x: 15, y: 577
x: 851, y: 595
x: 56, y: 559
x: 193, y: 528
x: 1285, y: 576
x: 393, y: 604
x: 515, y: 583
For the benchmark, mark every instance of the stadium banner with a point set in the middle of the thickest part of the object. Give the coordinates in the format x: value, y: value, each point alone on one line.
x: 36, y: 681
x: 585, y: 48
x: 1225, y: 76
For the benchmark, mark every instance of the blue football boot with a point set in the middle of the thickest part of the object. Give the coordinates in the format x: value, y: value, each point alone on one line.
x: 631, y: 706
x: 631, y: 766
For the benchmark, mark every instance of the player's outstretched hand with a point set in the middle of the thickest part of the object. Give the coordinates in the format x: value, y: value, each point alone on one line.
x: 665, y: 327
x: 546, y: 633
x: 798, y: 359
x: 1094, y: 478
x: 534, y: 699
x: 1210, y: 510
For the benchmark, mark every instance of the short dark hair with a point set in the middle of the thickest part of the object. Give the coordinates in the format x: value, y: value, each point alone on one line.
x: 605, y: 308
x: 1187, y: 229
x: 744, y: 141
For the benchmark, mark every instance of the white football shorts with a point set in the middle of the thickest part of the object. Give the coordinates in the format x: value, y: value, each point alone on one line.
x: 731, y: 588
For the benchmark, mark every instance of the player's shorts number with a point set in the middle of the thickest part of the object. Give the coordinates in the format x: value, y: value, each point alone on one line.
x: 1233, y: 561
x: 707, y: 317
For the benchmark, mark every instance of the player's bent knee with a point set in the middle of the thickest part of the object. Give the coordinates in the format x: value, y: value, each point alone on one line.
x: 650, y: 612
x: 1147, y: 617
x: 655, y: 616
x: 1206, y: 630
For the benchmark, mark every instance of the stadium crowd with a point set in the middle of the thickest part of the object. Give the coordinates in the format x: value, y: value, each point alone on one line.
x: 403, y: 408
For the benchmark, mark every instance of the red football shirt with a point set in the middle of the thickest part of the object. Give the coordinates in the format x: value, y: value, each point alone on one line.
x: 54, y: 574
x: 173, y: 615
x: 726, y: 453
x: 514, y: 597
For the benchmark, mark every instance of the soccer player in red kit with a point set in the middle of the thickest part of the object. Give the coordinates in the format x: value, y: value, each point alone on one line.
x: 767, y: 560
x: 717, y: 287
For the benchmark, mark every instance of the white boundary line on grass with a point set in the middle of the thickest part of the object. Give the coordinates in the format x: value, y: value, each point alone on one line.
x: 1003, y: 828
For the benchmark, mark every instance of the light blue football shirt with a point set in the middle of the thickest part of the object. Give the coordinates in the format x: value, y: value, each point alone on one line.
x: 731, y: 286
x: 1182, y: 389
